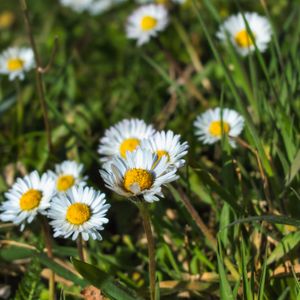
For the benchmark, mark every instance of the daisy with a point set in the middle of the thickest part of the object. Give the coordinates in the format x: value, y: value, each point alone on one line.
x: 166, y: 143
x: 67, y: 174
x: 81, y: 210
x: 213, y: 123
x: 27, y: 197
x: 141, y: 174
x: 123, y: 137
x: 94, y: 7
x: 236, y: 30
x: 16, y: 61
x: 146, y: 22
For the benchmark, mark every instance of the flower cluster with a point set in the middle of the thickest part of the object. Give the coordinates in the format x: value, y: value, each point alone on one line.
x: 62, y: 196
x: 138, y: 161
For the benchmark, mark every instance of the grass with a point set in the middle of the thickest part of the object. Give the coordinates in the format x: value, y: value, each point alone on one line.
x: 228, y: 228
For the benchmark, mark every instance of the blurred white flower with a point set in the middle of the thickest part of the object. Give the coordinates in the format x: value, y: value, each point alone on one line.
x: 235, y: 29
x: 166, y: 143
x: 139, y: 174
x: 123, y: 137
x: 27, y: 197
x: 94, y: 7
x: 213, y: 123
x: 67, y: 174
x: 79, y: 211
x: 145, y: 23
x: 15, y: 62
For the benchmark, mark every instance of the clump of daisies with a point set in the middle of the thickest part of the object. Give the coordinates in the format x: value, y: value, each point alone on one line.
x: 236, y: 30
x: 94, y: 7
x: 140, y: 168
x: 146, y: 21
x: 15, y: 62
x: 28, y: 197
x: 67, y: 174
x: 214, y: 123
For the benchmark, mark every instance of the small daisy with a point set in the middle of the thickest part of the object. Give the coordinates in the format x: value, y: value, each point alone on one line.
x: 211, y: 124
x: 27, y: 197
x: 167, y: 144
x: 16, y: 61
x: 67, y: 174
x: 94, y: 7
x: 146, y: 22
x: 140, y: 174
x: 123, y: 137
x: 81, y: 210
x: 235, y: 29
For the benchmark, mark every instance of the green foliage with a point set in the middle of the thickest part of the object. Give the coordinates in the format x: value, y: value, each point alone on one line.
x: 30, y: 286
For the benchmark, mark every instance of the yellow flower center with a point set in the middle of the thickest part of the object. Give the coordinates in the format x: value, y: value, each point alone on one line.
x: 148, y: 23
x: 138, y: 178
x: 64, y: 182
x: 243, y: 39
x: 78, y: 213
x: 129, y: 145
x: 161, y: 153
x: 164, y: 2
x: 15, y: 64
x: 217, y: 127
x: 6, y: 19
x: 30, y: 200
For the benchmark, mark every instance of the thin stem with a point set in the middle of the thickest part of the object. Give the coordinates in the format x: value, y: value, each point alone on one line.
x: 48, y: 242
x: 80, y: 248
x: 203, y: 228
x: 39, y: 76
x: 151, y: 246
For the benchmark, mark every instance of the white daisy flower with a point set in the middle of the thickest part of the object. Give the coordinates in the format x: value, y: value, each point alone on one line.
x: 166, y: 143
x: 211, y: 124
x: 27, y: 197
x: 94, y: 7
x: 15, y: 62
x: 235, y: 29
x: 81, y: 210
x: 67, y: 174
x: 139, y: 174
x: 123, y: 137
x: 146, y: 22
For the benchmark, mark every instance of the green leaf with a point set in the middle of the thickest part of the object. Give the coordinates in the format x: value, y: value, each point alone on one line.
x: 294, y: 170
x: 268, y: 218
x: 287, y: 244
x: 104, y: 281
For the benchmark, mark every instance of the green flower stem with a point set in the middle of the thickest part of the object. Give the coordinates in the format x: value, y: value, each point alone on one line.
x: 151, y: 245
x: 80, y: 248
x: 48, y: 243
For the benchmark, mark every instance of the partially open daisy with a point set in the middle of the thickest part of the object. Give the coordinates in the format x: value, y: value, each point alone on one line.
x: 15, y: 62
x: 80, y: 211
x: 123, y: 137
x: 67, y: 174
x: 94, y: 7
x: 140, y: 174
x: 166, y: 143
x: 211, y: 125
x: 27, y: 197
x: 235, y: 29
x: 146, y: 22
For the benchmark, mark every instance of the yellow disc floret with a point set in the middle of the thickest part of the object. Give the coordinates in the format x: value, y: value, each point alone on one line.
x: 243, y: 39
x: 129, y: 145
x: 78, y: 213
x: 30, y: 200
x: 140, y: 177
x: 15, y: 64
x: 217, y: 127
x: 148, y: 23
x: 161, y: 153
x: 64, y: 182
x: 6, y: 19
